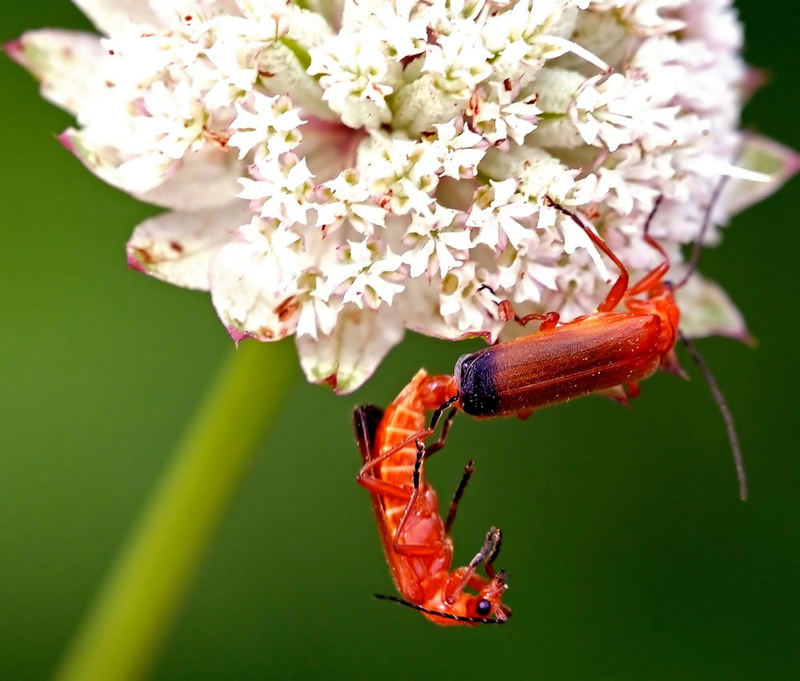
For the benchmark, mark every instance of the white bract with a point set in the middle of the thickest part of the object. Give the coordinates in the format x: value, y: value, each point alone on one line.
x: 343, y: 170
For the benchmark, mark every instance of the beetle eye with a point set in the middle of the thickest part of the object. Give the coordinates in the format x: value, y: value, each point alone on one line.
x: 484, y: 607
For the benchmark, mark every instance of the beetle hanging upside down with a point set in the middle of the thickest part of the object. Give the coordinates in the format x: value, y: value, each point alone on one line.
x: 415, y: 538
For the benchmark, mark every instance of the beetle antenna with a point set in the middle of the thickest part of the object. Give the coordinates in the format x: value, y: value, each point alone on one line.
x: 733, y: 438
x: 701, y: 237
x: 444, y: 615
x: 652, y: 213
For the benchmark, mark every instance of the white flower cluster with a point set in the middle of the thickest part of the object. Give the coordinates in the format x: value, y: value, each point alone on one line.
x: 341, y: 170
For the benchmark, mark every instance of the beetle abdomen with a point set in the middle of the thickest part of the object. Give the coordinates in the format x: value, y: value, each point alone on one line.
x: 553, y: 366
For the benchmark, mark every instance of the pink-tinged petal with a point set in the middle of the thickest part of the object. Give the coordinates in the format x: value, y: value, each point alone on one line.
x: 65, y: 138
x: 236, y: 335
x: 706, y: 310
x: 118, y: 17
x: 14, y: 49
x: 761, y: 155
x: 207, y: 178
x: 350, y: 355
x: 178, y: 247
x: 754, y: 80
x: 71, y: 66
x: 243, y: 291
x: 137, y: 176
x: 329, y: 146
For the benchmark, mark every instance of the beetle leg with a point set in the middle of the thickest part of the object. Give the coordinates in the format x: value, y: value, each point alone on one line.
x: 670, y: 363
x: 620, y: 286
x: 632, y: 389
x: 367, y: 479
x: 436, y: 446
x: 507, y: 313
x: 365, y: 420
x: 498, y: 543
x: 462, y: 485
x: 397, y: 545
x: 460, y: 578
x: 617, y: 393
x: 383, y: 488
x: 437, y: 413
x: 414, y: 437
x: 652, y: 278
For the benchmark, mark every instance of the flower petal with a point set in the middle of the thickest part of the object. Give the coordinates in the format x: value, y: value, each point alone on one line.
x: 206, y: 178
x: 349, y: 356
x: 706, y: 310
x: 72, y: 66
x: 114, y: 17
x: 178, y: 247
x: 761, y: 155
x: 250, y: 293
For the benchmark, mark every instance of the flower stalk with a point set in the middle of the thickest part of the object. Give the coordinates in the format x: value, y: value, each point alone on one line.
x: 130, y: 619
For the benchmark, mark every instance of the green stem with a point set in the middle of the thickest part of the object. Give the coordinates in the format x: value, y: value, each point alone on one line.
x: 131, y: 617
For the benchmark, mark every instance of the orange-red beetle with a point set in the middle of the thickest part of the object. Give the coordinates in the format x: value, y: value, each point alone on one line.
x: 415, y: 538
x: 603, y: 352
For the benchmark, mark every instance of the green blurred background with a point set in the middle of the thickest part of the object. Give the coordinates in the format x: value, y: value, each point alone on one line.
x: 630, y: 554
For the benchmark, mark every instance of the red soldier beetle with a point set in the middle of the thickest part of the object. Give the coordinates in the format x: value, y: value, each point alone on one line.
x: 415, y: 538
x: 604, y: 352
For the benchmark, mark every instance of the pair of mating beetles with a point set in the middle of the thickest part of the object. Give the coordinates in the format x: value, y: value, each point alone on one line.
x: 603, y: 352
